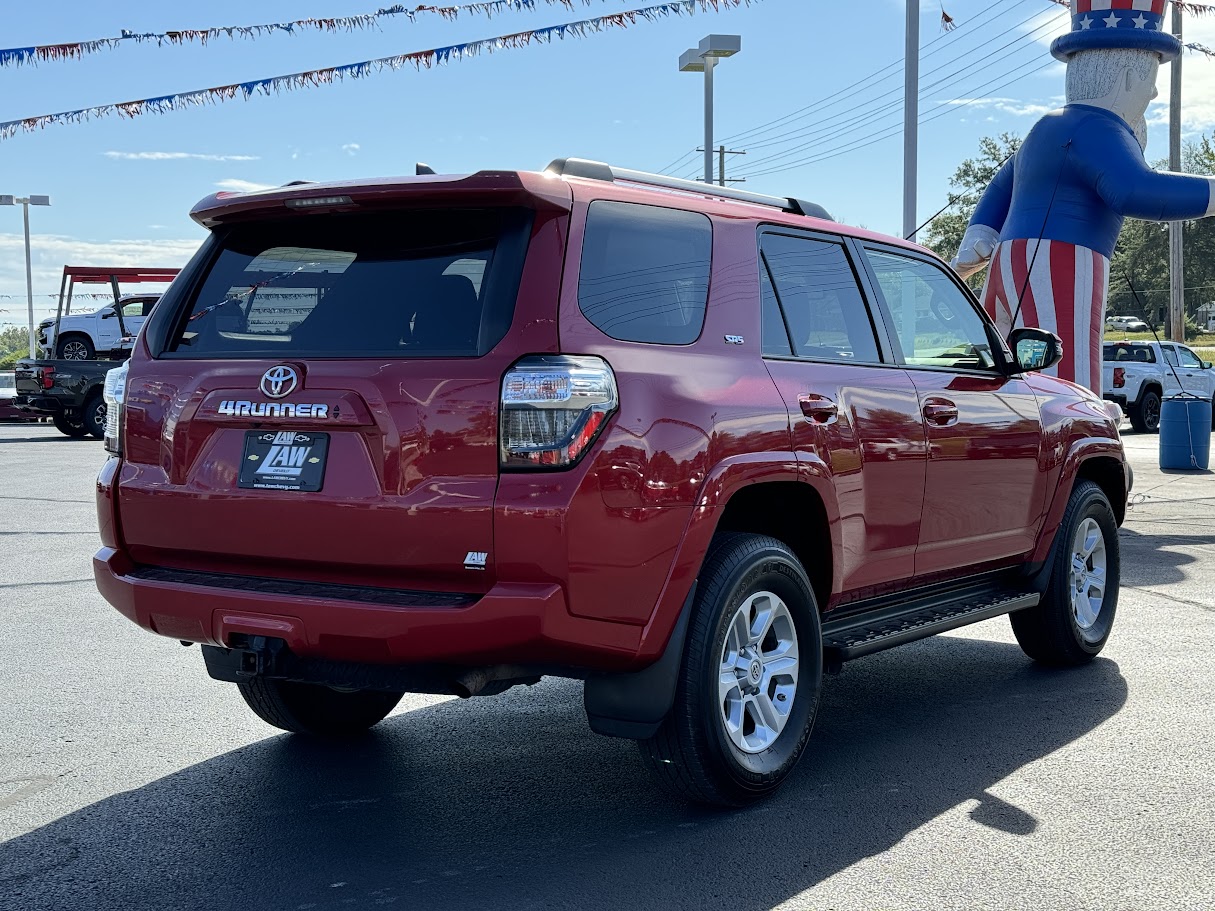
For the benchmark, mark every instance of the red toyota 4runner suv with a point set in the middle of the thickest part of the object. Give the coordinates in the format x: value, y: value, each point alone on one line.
x: 691, y: 446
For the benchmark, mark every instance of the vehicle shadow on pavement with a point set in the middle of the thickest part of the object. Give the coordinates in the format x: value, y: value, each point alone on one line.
x: 51, y: 438
x: 1159, y: 557
x: 512, y: 802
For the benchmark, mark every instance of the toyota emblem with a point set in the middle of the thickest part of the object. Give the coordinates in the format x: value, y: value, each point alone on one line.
x: 279, y: 381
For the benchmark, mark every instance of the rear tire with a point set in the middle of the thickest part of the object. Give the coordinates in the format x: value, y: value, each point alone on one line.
x: 1073, y: 621
x: 749, y: 684
x: 305, y: 708
x: 94, y: 415
x: 1145, y: 413
x: 72, y: 427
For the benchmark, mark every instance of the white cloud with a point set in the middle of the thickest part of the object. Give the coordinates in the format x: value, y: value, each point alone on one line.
x: 51, y: 252
x: 236, y: 185
x: 351, y: 148
x: 178, y: 156
x: 1197, y: 85
x: 1011, y: 106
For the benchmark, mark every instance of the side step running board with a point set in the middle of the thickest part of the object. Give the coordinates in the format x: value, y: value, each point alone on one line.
x: 863, y: 634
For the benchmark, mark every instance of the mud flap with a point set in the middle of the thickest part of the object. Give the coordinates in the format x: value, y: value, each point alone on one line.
x: 633, y: 706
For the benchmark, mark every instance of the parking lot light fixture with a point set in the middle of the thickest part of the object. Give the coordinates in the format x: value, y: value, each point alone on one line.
x: 703, y: 59
x: 25, y: 203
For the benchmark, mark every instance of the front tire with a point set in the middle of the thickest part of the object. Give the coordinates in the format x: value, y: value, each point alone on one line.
x: 72, y: 427
x: 75, y: 348
x: 1145, y: 414
x: 1073, y: 621
x: 749, y: 684
x: 320, y: 711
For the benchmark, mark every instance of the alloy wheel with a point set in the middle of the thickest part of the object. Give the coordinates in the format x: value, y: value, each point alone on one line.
x: 1089, y: 571
x: 757, y: 676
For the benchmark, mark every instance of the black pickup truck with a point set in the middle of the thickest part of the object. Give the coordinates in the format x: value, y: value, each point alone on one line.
x: 67, y: 391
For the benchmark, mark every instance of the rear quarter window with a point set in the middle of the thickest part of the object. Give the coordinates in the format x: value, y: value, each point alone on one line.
x: 645, y: 272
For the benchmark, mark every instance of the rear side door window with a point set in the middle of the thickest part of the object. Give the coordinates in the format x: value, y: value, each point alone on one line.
x: 645, y: 272
x: 825, y: 316
x: 936, y: 324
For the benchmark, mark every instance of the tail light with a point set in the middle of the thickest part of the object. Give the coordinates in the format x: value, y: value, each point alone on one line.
x: 46, y: 377
x: 1119, y: 377
x: 553, y: 409
x: 114, y: 391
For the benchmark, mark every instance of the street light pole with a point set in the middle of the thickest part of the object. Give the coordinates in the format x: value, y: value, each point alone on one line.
x: 29, y: 277
x: 25, y: 203
x: 703, y: 59
x: 710, y: 65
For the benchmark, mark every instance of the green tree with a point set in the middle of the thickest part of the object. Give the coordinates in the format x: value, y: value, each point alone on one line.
x: 944, y: 234
x: 14, y: 338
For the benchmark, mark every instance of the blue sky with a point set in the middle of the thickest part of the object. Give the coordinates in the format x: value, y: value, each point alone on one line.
x: 122, y: 188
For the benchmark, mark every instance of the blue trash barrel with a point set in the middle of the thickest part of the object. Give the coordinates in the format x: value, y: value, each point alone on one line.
x: 1185, y: 434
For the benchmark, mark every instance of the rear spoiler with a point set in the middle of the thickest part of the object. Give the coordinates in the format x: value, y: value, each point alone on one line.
x: 300, y: 198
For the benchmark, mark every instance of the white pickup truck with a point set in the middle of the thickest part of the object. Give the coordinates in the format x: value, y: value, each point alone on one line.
x: 1139, y: 375
x: 83, y: 336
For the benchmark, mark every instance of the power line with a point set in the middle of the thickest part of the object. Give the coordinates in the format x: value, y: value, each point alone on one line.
x: 856, y: 123
x: 881, y: 133
x: 873, y: 139
x: 855, y: 116
x: 842, y: 95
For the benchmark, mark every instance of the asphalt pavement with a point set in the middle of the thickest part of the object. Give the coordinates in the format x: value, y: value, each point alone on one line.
x: 952, y: 773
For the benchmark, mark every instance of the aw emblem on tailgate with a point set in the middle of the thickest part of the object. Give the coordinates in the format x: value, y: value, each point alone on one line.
x: 476, y: 560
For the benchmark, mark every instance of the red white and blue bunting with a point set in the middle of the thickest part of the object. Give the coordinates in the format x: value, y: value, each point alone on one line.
x: 419, y: 60
x: 17, y: 56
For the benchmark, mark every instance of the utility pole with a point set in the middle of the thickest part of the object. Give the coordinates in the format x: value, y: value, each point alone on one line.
x: 722, y: 152
x: 1176, y: 254
x: 911, y: 119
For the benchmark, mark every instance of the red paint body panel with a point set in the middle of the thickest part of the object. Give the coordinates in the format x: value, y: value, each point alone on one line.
x: 873, y: 449
x: 985, y: 494
x: 590, y: 566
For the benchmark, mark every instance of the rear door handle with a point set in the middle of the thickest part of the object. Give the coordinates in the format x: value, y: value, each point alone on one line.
x: 817, y: 409
x: 941, y: 413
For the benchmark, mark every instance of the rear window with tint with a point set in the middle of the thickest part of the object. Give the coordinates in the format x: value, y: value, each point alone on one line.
x: 402, y: 284
x: 1140, y: 353
x: 645, y: 272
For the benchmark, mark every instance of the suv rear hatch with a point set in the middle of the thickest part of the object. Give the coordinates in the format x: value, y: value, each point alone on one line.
x: 323, y: 391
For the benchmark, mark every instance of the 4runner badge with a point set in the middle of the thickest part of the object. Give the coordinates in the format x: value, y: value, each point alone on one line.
x: 476, y: 560
x: 272, y: 410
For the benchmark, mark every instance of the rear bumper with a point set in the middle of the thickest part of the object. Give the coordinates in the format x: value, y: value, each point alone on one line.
x: 40, y: 404
x: 1118, y: 399
x: 513, y: 623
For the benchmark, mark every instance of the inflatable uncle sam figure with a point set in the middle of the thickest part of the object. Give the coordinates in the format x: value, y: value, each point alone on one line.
x: 1049, y: 221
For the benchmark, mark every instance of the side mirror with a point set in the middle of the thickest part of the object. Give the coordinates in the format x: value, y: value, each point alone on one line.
x: 1206, y: 365
x: 1035, y: 349
x: 109, y: 314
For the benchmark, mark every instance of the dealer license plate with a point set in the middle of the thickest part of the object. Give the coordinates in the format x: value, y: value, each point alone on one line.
x: 284, y: 460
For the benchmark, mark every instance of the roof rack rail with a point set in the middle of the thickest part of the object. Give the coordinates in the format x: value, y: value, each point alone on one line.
x: 598, y: 170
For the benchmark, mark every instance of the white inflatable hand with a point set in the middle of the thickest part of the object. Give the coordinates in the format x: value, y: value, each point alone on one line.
x: 978, y: 244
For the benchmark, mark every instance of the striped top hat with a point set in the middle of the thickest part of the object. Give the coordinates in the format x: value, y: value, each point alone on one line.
x: 1130, y: 24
